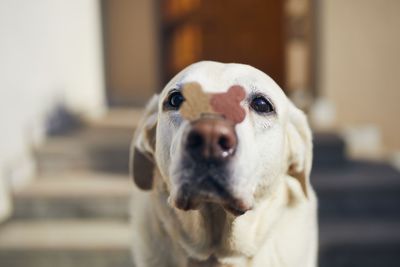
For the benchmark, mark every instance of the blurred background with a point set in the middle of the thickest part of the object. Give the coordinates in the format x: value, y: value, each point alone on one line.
x: 74, y: 76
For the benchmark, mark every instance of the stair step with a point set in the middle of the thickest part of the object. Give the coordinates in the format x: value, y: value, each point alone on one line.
x: 100, y: 243
x: 329, y: 149
x: 95, y: 147
x: 358, y: 190
x: 119, y: 118
x: 74, y: 195
x: 359, y: 243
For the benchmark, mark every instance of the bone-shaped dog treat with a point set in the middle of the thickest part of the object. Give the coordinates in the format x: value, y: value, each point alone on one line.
x: 198, y: 103
x: 228, y: 103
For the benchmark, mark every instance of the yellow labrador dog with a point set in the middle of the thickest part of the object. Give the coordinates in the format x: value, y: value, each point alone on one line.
x: 222, y: 193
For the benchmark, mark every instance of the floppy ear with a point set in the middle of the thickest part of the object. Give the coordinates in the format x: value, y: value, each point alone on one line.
x: 300, y: 147
x: 141, y: 162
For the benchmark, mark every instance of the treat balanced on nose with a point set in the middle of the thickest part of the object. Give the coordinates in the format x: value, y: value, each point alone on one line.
x: 227, y: 104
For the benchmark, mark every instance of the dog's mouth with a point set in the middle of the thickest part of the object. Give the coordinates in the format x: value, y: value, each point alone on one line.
x: 193, y: 196
x: 207, y: 182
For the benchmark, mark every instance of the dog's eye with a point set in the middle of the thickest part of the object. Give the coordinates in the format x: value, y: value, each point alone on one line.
x: 175, y: 100
x: 261, y: 105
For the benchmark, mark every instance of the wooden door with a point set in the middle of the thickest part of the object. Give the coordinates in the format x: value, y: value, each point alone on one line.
x: 244, y: 31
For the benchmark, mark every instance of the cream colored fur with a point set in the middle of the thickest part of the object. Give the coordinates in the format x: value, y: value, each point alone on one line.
x: 271, y: 174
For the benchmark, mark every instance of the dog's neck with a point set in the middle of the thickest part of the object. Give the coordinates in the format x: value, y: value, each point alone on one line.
x: 216, y: 222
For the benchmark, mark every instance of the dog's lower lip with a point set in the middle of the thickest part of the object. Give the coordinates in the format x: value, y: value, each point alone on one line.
x: 209, y: 190
x: 235, y: 210
x: 183, y: 202
x: 190, y: 204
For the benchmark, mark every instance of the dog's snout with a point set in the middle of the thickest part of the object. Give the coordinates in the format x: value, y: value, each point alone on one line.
x: 211, y: 139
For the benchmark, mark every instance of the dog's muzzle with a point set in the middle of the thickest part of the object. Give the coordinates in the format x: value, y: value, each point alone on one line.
x: 210, y: 144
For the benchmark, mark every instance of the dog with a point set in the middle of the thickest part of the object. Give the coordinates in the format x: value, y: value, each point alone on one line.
x: 223, y: 192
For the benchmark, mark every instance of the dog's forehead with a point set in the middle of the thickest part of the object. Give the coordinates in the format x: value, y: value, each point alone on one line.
x: 215, y: 77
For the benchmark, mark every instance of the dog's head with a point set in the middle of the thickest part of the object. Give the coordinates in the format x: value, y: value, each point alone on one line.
x: 221, y: 133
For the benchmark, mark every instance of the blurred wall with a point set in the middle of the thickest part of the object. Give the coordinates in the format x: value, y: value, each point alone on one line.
x: 50, y: 53
x: 131, y: 50
x: 359, y: 63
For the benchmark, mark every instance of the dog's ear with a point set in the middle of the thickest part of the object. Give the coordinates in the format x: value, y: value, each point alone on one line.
x: 142, y: 162
x: 299, y: 139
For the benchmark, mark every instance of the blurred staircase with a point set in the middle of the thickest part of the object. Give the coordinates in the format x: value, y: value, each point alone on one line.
x: 359, y: 208
x: 76, y: 213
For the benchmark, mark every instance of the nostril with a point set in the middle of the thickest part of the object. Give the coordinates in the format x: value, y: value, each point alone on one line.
x: 195, y: 140
x: 225, y: 143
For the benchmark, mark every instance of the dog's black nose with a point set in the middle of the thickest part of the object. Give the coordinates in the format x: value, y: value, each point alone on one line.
x: 211, y: 139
